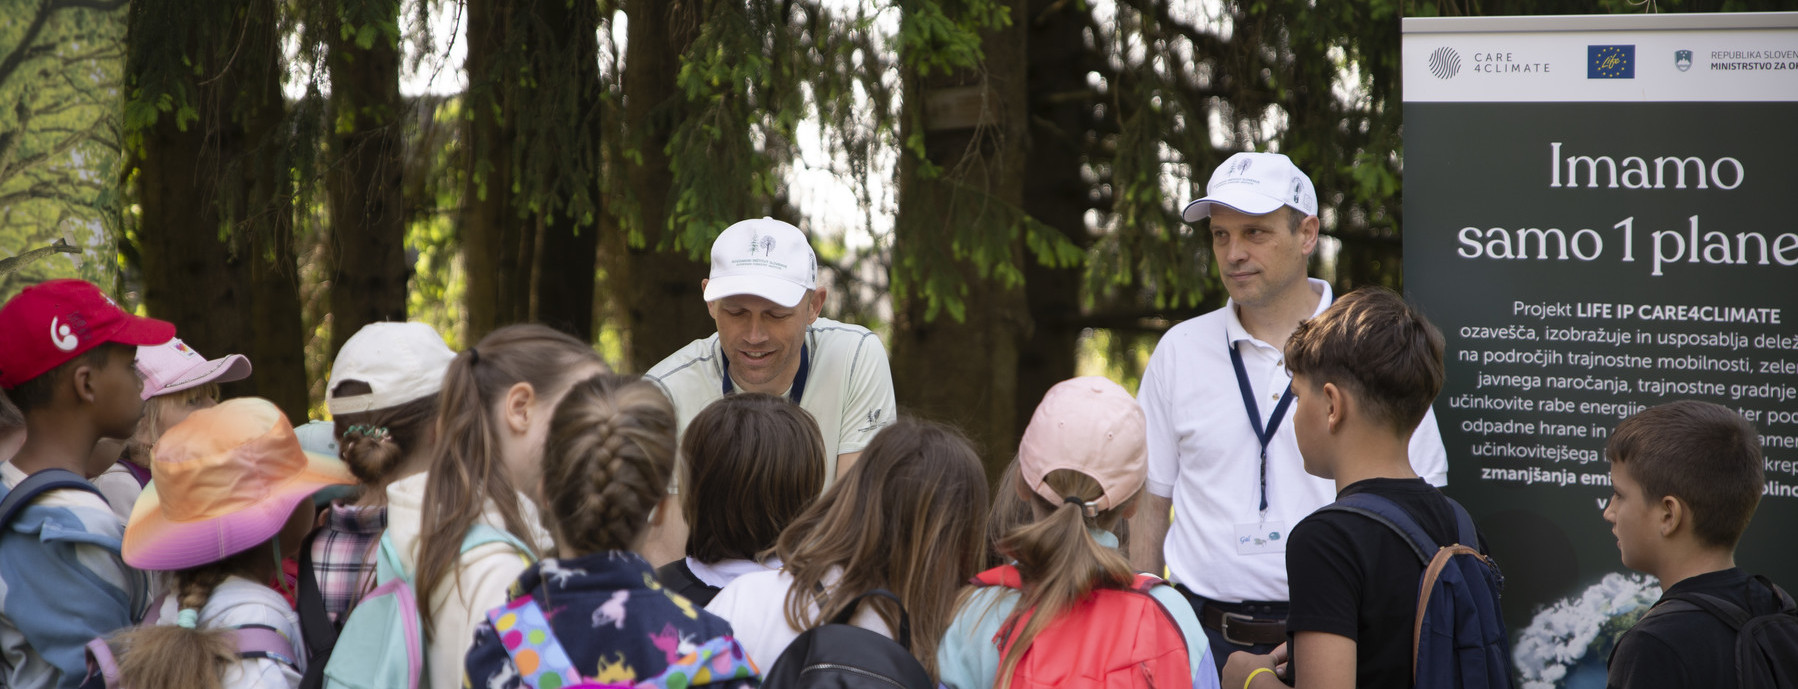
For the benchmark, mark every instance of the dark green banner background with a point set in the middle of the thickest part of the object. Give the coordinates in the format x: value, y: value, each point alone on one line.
x: 1536, y: 354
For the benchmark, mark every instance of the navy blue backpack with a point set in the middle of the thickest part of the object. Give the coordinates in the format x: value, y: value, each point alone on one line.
x: 1459, y: 638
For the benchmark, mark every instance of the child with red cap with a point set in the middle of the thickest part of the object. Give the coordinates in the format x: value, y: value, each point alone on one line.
x: 66, y: 353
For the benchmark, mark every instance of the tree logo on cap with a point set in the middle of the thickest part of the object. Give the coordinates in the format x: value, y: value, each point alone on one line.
x: 1240, y: 166
x: 62, y: 336
x: 763, y: 243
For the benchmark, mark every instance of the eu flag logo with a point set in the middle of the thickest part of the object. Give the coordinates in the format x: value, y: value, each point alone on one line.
x: 1610, y: 62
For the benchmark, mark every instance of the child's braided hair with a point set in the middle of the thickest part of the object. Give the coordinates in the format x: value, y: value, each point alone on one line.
x: 606, y: 463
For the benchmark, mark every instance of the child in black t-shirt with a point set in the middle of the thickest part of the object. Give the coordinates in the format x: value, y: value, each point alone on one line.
x: 1685, y: 479
x: 1364, y: 372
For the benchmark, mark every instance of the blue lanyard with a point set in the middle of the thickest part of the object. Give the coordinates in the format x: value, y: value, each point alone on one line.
x: 793, y: 393
x: 1273, y: 420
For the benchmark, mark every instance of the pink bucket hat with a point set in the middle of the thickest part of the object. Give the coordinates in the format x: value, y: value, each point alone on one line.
x: 224, y: 480
x: 1093, y: 426
x: 173, y: 366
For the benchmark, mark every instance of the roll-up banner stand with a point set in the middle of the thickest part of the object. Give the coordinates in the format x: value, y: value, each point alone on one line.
x: 1601, y: 215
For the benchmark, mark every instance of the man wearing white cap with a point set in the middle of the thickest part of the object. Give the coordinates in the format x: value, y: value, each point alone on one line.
x: 1215, y: 395
x: 763, y: 293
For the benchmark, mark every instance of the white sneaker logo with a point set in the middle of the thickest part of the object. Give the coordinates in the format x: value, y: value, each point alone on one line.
x: 63, y: 337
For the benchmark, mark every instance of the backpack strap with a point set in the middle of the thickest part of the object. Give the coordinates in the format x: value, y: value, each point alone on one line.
x: 319, y: 633
x: 1003, y: 575
x: 38, y: 484
x: 262, y: 641
x: 1386, y: 512
x: 548, y: 659
x: 1786, y: 605
x: 848, y: 612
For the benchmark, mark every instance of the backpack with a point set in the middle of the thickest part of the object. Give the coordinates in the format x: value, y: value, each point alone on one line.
x: 1766, y: 645
x: 840, y: 655
x: 252, y: 640
x: 1111, y: 638
x: 1459, y: 638
x: 37, y: 484
x: 543, y: 663
x: 381, y: 644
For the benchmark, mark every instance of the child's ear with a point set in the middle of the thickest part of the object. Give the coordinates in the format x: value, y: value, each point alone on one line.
x: 81, y: 378
x: 518, y: 405
x: 1673, y: 515
x: 1335, y: 405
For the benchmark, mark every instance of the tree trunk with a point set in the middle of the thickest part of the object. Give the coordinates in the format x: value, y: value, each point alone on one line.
x: 568, y: 246
x: 964, y: 370
x: 365, y: 185
x: 217, y: 205
x: 497, y: 245
x: 1055, y: 193
x: 666, y: 307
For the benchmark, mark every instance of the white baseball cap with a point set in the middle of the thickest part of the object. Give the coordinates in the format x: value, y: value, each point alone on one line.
x: 173, y: 366
x: 763, y: 257
x: 1256, y: 184
x: 400, y: 362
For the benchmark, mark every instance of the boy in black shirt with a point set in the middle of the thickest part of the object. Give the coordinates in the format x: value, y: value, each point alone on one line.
x: 1685, y: 479
x: 1364, y: 372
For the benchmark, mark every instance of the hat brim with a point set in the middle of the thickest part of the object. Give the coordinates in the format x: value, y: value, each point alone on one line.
x: 156, y: 543
x: 786, y: 294
x: 1248, y: 202
x: 142, y: 332
x: 221, y: 370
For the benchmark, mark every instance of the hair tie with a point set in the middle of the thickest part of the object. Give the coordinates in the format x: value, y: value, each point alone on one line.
x: 1086, y: 508
x: 370, y: 432
x: 474, y: 356
x: 188, y: 619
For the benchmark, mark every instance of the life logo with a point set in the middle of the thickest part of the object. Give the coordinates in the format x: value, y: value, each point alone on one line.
x: 1445, y: 63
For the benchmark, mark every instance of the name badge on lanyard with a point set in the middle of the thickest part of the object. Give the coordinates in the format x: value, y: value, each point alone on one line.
x: 1261, y: 536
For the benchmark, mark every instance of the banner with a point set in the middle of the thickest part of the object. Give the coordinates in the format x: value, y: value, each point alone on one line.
x: 1599, y: 215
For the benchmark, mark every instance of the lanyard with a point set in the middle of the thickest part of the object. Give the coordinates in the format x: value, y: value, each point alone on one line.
x: 1273, y: 420
x: 793, y: 393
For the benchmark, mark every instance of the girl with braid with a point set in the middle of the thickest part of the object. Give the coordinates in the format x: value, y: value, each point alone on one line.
x: 908, y: 517
x: 231, y: 494
x: 493, y: 414
x: 594, y: 613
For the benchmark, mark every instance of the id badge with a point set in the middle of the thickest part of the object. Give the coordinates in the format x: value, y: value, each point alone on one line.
x: 1260, y: 538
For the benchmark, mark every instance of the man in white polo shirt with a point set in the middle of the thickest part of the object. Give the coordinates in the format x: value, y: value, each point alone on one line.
x: 763, y: 293
x: 1216, y: 396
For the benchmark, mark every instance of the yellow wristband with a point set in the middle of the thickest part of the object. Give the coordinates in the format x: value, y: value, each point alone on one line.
x: 1251, y: 679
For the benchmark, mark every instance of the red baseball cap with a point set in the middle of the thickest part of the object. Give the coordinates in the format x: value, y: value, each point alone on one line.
x: 51, y: 323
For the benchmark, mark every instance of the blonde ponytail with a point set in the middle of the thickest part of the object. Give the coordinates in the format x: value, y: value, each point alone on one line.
x: 171, y: 656
x: 1059, y: 562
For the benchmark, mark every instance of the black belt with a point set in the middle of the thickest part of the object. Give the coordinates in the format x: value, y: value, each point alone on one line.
x: 1239, y: 628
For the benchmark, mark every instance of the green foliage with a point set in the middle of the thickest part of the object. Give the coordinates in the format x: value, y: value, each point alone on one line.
x: 59, y: 80
x: 938, y: 39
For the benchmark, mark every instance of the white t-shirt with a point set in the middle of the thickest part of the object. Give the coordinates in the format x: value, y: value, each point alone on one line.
x: 1204, y: 454
x: 236, y: 602
x: 848, y: 390
x: 756, y: 607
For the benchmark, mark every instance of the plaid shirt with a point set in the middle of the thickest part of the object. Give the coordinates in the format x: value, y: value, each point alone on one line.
x: 343, y: 555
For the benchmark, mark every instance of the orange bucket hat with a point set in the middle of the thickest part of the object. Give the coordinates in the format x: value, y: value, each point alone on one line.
x: 224, y: 480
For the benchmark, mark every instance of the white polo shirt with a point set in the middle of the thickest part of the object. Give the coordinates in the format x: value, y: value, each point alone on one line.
x: 1204, y: 454
x: 848, y: 388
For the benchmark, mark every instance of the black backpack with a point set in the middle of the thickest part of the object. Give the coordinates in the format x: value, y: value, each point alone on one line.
x: 839, y: 655
x: 1766, y: 645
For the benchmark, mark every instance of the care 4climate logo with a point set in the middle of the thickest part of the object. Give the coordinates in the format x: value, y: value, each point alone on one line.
x: 1445, y: 63
x: 1682, y: 59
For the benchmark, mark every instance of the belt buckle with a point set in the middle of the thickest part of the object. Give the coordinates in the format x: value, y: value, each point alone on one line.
x: 1224, y: 627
